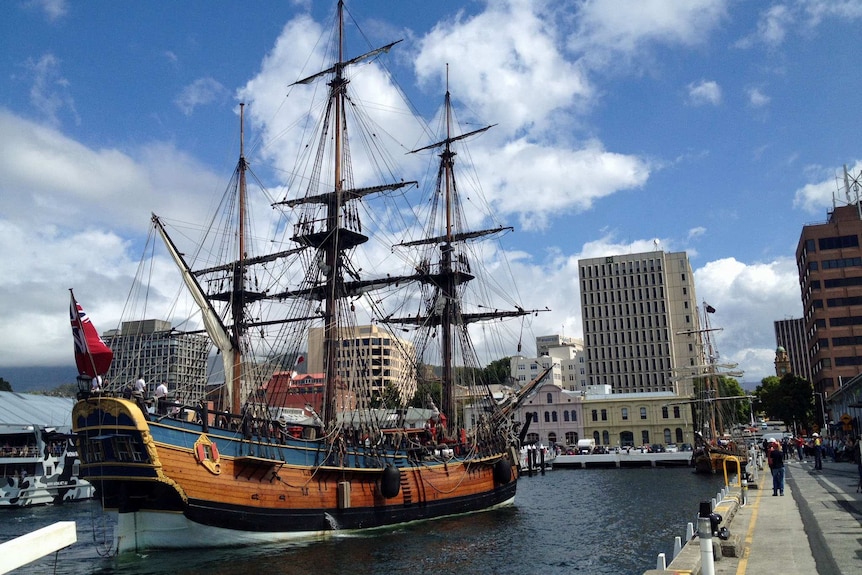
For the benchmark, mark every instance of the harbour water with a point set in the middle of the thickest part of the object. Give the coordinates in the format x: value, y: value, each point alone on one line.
x: 599, y: 521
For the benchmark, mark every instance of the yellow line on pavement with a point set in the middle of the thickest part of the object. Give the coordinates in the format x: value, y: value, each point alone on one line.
x: 749, y: 536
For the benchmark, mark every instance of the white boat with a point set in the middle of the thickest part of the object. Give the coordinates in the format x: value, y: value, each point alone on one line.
x: 39, y: 466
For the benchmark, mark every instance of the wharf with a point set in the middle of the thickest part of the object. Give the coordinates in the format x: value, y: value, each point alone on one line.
x: 815, y: 529
x: 631, y: 458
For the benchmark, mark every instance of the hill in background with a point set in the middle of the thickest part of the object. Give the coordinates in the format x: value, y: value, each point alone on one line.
x: 29, y: 379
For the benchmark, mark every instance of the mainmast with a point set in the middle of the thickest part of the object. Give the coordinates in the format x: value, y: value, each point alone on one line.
x: 339, y: 228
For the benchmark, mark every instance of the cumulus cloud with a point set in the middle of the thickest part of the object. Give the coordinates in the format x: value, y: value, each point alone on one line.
x: 828, y: 188
x: 748, y: 298
x: 704, y: 92
x: 199, y: 93
x: 606, y: 32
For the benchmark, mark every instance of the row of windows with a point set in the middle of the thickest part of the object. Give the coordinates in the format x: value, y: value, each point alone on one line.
x: 634, y: 352
x: 611, y: 267
x: 622, y: 296
x: 838, y: 242
x: 366, y: 341
x: 626, y: 438
x: 836, y: 264
x: 843, y: 301
x: 845, y: 321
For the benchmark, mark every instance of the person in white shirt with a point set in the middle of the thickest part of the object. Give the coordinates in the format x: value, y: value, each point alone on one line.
x: 140, y: 387
x: 161, y: 395
x: 96, y: 384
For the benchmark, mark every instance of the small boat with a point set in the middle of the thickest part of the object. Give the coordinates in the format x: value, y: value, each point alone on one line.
x: 227, y: 468
x: 39, y: 465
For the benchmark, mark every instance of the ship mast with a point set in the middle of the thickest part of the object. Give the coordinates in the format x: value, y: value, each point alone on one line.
x: 238, y: 292
x: 339, y: 230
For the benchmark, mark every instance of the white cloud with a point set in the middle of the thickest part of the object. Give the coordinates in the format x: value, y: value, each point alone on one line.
x: 53, y: 9
x: 704, y: 92
x: 829, y: 188
x: 606, y: 30
x: 773, y: 24
x: 757, y: 99
x: 49, y: 92
x: 515, y: 71
x: 696, y: 232
x: 200, y: 92
x: 748, y: 299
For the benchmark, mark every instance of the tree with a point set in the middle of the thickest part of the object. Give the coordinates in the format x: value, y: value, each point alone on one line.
x: 5, y: 385
x: 728, y: 412
x: 498, y: 372
x: 790, y: 399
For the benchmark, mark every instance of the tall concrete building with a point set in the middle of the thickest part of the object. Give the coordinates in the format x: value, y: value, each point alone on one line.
x: 152, y: 349
x: 790, y: 335
x: 829, y: 261
x: 640, y: 321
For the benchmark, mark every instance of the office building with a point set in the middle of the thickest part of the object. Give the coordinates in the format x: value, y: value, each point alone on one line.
x: 369, y: 357
x: 829, y: 262
x: 150, y: 348
x: 640, y: 322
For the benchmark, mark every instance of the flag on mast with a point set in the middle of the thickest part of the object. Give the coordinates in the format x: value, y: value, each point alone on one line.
x: 92, y: 355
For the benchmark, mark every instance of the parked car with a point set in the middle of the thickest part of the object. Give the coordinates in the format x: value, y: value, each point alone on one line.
x: 686, y: 447
x: 657, y: 448
x: 672, y: 448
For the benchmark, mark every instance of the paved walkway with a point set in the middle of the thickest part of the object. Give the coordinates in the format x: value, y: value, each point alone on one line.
x: 815, y: 529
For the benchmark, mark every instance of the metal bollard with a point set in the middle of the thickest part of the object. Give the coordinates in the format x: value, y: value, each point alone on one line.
x: 689, y: 531
x: 704, y: 532
x: 677, y: 546
x: 744, y: 492
x: 660, y: 562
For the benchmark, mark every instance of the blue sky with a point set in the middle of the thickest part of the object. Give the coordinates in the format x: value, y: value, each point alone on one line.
x: 718, y: 128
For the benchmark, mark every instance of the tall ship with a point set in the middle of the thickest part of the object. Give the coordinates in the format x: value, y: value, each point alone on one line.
x: 223, y: 461
x: 718, y: 446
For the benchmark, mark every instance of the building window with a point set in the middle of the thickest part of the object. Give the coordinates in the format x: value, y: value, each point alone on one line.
x: 645, y: 436
x: 664, y: 412
x: 547, y: 417
x: 554, y: 416
x: 676, y: 411
x: 625, y: 413
x: 595, y: 414
x: 550, y: 398
x: 565, y: 415
x: 643, y: 412
x: 574, y: 415
x: 604, y: 415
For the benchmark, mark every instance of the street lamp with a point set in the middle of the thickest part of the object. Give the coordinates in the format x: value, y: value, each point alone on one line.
x: 822, y: 411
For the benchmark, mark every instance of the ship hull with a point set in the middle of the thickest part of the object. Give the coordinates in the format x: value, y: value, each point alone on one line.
x: 713, y: 460
x: 175, y: 484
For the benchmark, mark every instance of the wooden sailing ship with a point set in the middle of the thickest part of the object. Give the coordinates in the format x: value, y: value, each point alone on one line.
x: 221, y: 470
x: 716, y: 448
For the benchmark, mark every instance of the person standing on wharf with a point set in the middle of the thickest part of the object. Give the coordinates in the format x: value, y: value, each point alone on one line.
x: 776, y: 465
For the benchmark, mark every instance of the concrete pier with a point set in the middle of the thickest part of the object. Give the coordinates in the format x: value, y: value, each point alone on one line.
x: 814, y: 529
